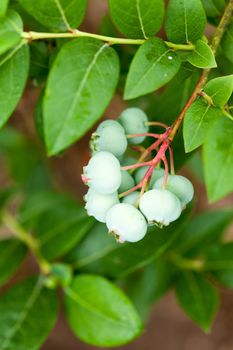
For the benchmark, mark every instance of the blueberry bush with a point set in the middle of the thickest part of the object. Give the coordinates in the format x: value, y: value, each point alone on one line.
x: 136, y: 233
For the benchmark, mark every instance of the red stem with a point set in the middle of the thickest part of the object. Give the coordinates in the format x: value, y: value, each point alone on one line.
x: 172, y: 166
x: 164, y: 159
x: 135, y: 166
x: 156, y: 136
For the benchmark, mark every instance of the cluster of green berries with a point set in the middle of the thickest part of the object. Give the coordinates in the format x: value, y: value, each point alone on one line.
x: 128, y: 218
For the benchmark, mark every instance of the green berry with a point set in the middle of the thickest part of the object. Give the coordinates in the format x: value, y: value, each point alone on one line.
x: 160, y: 206
x: 127, y: 181
x: 141, y: 172
x: 98, y: 204
x: 126, y: 223
x: 134, y: 121
x: 180, y: 186
x: 110, y: 137
x: 103, y: 173
x: 131, y: 198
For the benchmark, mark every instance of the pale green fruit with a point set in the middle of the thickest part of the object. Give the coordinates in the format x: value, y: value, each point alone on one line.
x: 126, y: 223
x: 141, y: 172
x: 103, y: 173
x: 98, y: 204
x: 131, y: 198
x: 127, y: 181
x: 180, y: 186
x: 160, y: 206
x: 134, y: 121
x: 109, y: 136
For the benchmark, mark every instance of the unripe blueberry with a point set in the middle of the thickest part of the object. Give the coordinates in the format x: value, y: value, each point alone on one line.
x: 128, y: 161
x: 98, y: 204
x: 134, y: 121
x: 127, y: 181
x: 141, y: 172
x: 110, y: 137
x: 131, y: 198
x: 160, y: 206
x: 126, y: 222
x: 103, y: 173
x: 180, y: 186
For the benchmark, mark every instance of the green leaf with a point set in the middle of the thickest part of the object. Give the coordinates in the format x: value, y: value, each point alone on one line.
x: 39, y: 63
x: 203, y: 231
x: 3, y: 7
x: 198, y: 298
x: 198, y: 121
x: 220, y: 90
x: 25, y: 164
x: 146, y: 287
x: 185, y: 21
x: 58, y: 15
x: 137, y: 18
x: 202, y: 56
x: 57, y: 220
x: 12, y: 253
x: 77, y: 94
x: 98, y: 253
x: 220, y: 263
x: 210, y: 8
x: 11, y: 27
x: 195, y: 165
x: 153, y: 66
x: 218, y: 160
x: 28, y: 312
x: 13, y: 75
x: 99, y: 313
x: 227, y: 42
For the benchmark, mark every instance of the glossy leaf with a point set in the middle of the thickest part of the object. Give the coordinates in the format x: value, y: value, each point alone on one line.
x: 198, y: 298
x: 25, y: 165
x: 58, y: 15
x: 58, y: 222
x: 220, y: 90
x: 137, y: 18
x: 100, y: 313
x: 185, y: 21
x: 116, y: 260
x: 227, y: 42
x: 13, y: 75
x: 11, y: 27
x: 3, y: 7
x: 39, y: 63
x: 153, y: 66
x: 220, y: 263
x: 12, y: 253
x: 28, y: 312
x: 198, y: 121
x: 202, y: 56
x: 146, y: 287
x: 210, y: 8
x: 89, y: 87
x: 203, y: 231
x: 219, y: 168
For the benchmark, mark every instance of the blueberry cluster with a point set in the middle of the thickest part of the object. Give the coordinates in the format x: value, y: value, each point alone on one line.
x: 128, y: 216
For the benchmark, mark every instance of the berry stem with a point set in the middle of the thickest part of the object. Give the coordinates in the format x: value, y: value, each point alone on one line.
x: 155, y: 145
x: 216, y: 40
x: 156, y: 124
x: 152, y: 164
x: 172, y: 166
x: 164, y: 159
x: 135, y: 166
x: 75, y: 33
x: 156, y: 136
x: 30, y: 241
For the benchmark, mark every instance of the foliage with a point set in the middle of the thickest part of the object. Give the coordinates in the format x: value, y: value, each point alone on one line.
x: 109, y: 288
